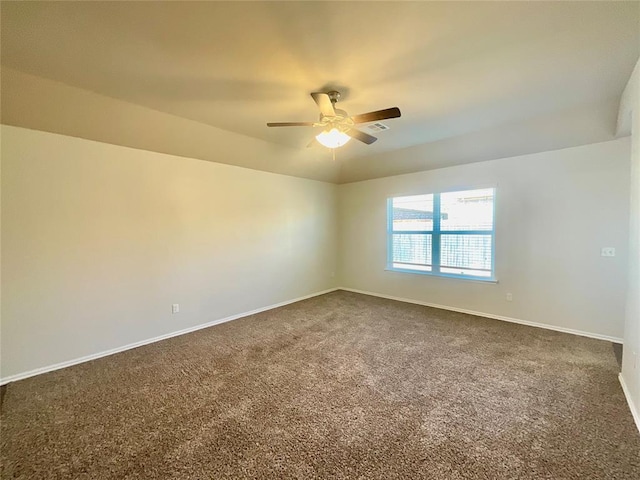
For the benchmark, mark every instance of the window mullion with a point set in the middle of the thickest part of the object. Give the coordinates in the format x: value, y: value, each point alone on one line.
x: 435, y: 239
x: 389, y: 233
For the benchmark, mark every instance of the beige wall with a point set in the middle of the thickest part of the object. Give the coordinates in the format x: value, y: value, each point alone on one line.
x: 631, y: 352
x: 99, y: 240
x: 555, y: 211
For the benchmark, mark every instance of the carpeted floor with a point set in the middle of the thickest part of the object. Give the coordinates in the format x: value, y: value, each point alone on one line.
x: 338, y: 386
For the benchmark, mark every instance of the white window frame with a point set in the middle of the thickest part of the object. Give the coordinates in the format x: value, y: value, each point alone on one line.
x: 436, y: 234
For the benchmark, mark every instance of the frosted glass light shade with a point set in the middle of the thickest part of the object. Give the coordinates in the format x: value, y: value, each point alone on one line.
x: 334, y: 138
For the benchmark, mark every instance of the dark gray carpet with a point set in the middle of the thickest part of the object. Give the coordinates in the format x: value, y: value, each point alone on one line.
x: 338, y: 386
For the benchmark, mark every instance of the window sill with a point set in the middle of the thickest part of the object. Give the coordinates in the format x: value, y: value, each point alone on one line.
x: 445, y: 275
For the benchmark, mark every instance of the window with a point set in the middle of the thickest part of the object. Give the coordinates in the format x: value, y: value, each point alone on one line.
x: 449, y: 234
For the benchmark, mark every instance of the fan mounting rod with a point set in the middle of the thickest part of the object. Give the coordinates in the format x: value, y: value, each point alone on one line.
x: 334, y: 96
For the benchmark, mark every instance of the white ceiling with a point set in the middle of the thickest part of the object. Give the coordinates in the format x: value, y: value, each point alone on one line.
x: 455, y: 69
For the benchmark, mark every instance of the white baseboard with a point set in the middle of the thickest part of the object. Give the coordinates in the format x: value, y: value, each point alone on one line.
x: 490, y: 315
x: 634, y: 410
x: 87, y: 358
x: 57, y: 366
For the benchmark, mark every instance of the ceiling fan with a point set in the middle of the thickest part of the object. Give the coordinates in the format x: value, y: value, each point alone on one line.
x: 338, y: 127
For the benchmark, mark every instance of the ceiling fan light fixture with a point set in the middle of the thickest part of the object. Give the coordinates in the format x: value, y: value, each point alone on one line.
x: 338, y: 126
x: 333, y: 138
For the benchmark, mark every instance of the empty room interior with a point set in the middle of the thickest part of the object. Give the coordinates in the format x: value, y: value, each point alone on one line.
x: 317, y: 239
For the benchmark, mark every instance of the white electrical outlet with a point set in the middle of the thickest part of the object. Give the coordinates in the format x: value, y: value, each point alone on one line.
x: 509, y: 297
x: 175, y: 308
x: 608, y: 252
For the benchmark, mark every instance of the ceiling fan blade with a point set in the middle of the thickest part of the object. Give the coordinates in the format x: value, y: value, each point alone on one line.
x: 363, y: 137
x: 377, y: 115
x: 290, y: 124
x: 324, y: 102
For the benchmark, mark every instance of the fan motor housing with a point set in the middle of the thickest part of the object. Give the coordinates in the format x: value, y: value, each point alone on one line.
x: 340, y: 114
